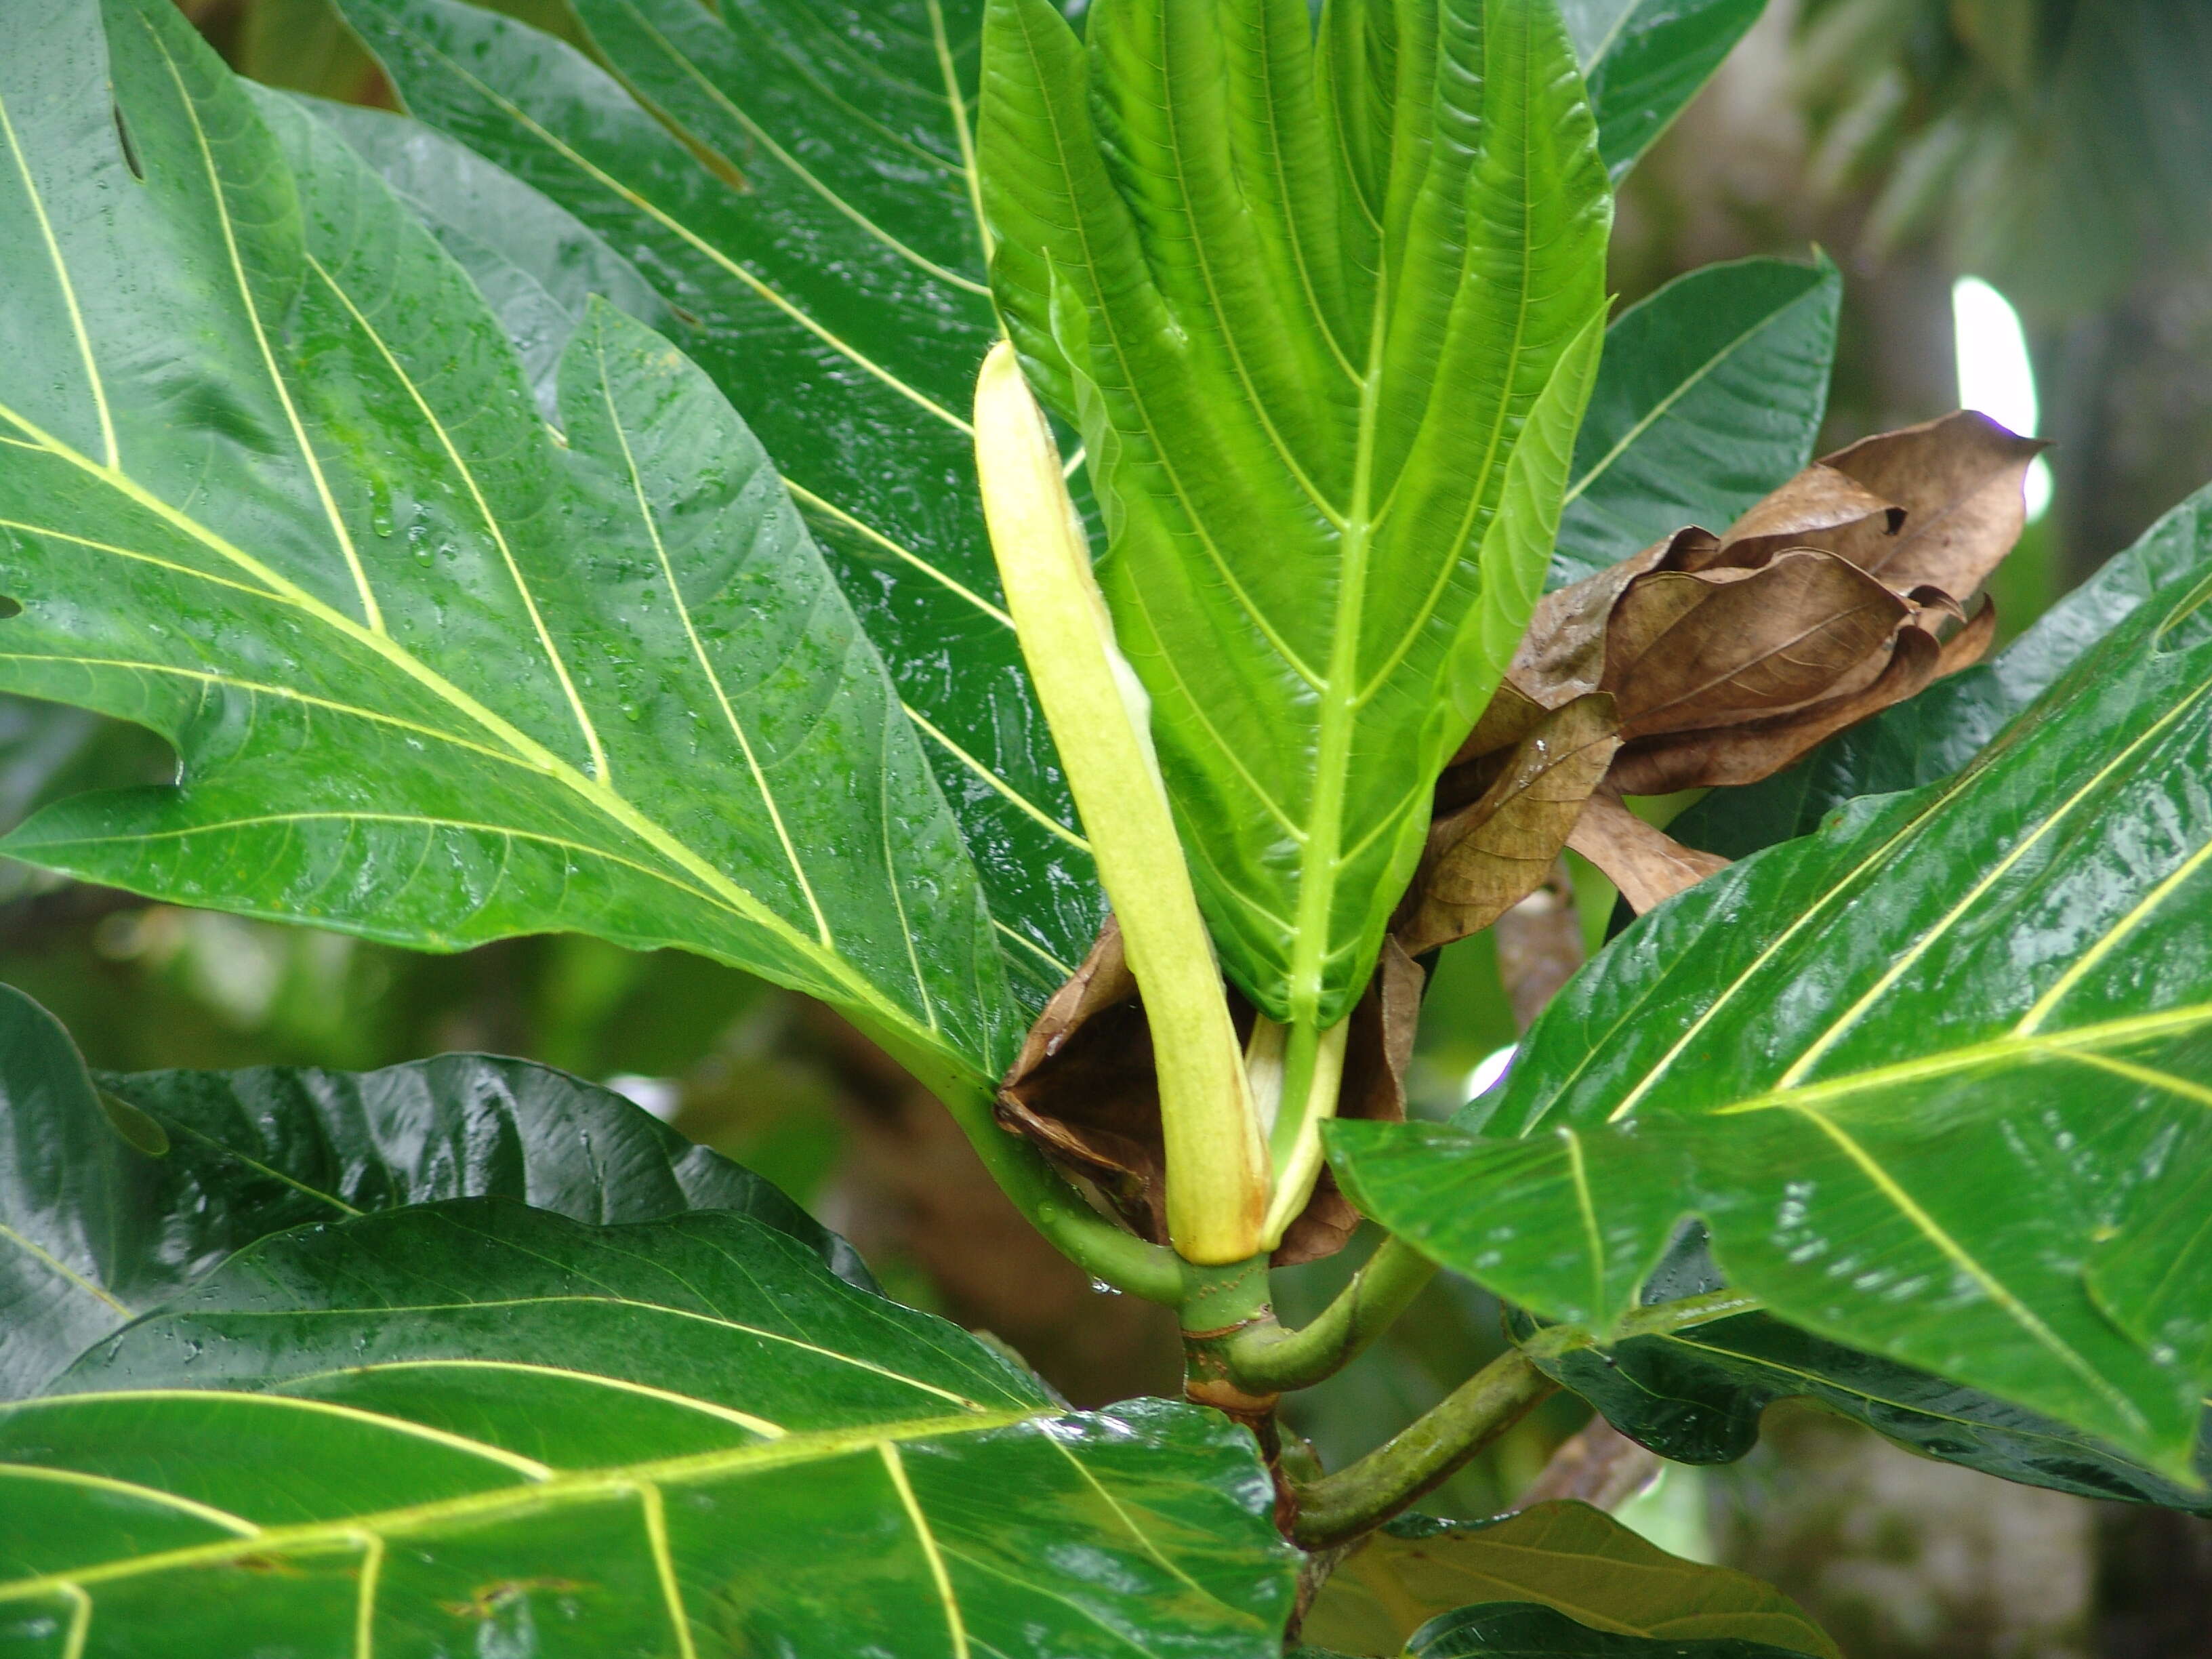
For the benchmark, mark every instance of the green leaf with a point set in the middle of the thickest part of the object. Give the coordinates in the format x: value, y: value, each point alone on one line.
x: 1505, y: 1630
x: 798, y: 180
x: 476, y: 1427
x: 1711, y: 393
x: 1326, y: 322
x: 1567, y: 1556
x: 1697, y: 1396
x: 119, y: 1191
x: 1644, y: 59
x: 1931, y: 736
x: 534, y: 262
x: 1916, y: 1072
x: 437, y: 674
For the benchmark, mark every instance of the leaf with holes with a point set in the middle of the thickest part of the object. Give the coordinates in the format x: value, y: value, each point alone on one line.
x: 473, y: 1426
x: 118, y: 1192
x: 437, y: 674
x: 799, y: 179
x: 1327, y: 329
x: 1710, y: 394
x: 1932, y: 1077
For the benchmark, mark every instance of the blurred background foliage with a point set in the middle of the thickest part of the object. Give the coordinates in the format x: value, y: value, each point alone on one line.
x: 2060, y: 149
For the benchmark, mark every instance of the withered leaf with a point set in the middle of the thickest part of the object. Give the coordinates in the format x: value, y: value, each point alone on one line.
x: 1540, y: 946
x: 1492, y: 853
x: 1647, y: 864
x: 1084, y: 1090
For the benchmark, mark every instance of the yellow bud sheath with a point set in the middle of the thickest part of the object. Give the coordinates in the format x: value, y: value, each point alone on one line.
x: 1217, y: 1175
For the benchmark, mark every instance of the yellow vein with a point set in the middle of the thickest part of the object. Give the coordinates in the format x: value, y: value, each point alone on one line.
x: 68, y: 287
x: 628, y: 1302
x: 886, y: 815
x: 1121, y: 1514
x: 467, y: 474
x: 1579, y: 1174
x: 282, y: 693
x: 996, y: 782
x: 2107, y: 1033
x: 792, y: 164
x: 1908, y: 958
x: 1659, y: 410
x: 1957, y: 1254
x: 235, y: 1524
x: 955, y: 1626
x: 529, y: 1467
x: 371, y: 1576
x: 614, y: 806
x: 2110, y: 940
x: 655, y: 1516
x: 962, y: 132
x: 126, y: 552
x: 371, y: 614
x: 62, y: 1272
x: 1043, y: 955
x: 746, y: 1421
x: 596, y: 1487
x: 2151, y: 1075
x: 762, y: 289
x: 807, y: 497
x: 652, y: 523
x: 79, y: 1629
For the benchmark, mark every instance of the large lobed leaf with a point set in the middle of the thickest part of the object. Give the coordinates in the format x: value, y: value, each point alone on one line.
x: 118, y: 1192
x: 1930, y: 1076
x: 276, y: 488
x: 799, y: 179
x: 472, y: 1426
x: 1325, y: 309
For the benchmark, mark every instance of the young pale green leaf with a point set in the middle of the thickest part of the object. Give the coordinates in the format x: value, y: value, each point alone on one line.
x: 534, y: 262
x: 1933, y: 735
x: 1508, y: 1630
x: 799, y: 179
x: 437, y: 674
x: 1644, y: 59
x: 118, y: 1192
x: 1303, y: 305
x: 1567, y: 1556
x: 1931, y: 1077
x: 1711, y: 394
x: 476, y: 1427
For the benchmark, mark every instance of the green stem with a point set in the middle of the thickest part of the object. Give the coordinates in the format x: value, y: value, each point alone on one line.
x: 1150, y: 1272
x: 1264, y: 1358
x: 1360, y: 1497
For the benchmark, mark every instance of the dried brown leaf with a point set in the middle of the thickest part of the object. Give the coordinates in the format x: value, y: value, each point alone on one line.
x: 1647, y: 864
x: 1489, y: 856
x: 1540, y: 946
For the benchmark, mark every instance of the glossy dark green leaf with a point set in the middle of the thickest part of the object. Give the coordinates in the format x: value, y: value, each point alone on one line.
x: 116, y: 1192
x: 1326, y: 323
x: 1934, y: 734
x: 1567, y: 1556
x: 475, y: 1427
x: 1710, y: 394
x: 1644, y: 59
x: 1697, y: 1396
x: 1508, y: 1630
x: 1931, y: 1077
x: 809, y: 204
x: 438, y: 675
x: 536, y: 264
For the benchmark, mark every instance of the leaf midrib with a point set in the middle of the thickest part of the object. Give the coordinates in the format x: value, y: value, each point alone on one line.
x: 561, y: 1490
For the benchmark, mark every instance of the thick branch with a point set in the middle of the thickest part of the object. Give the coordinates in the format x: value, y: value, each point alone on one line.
x: 1362, y: 1495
